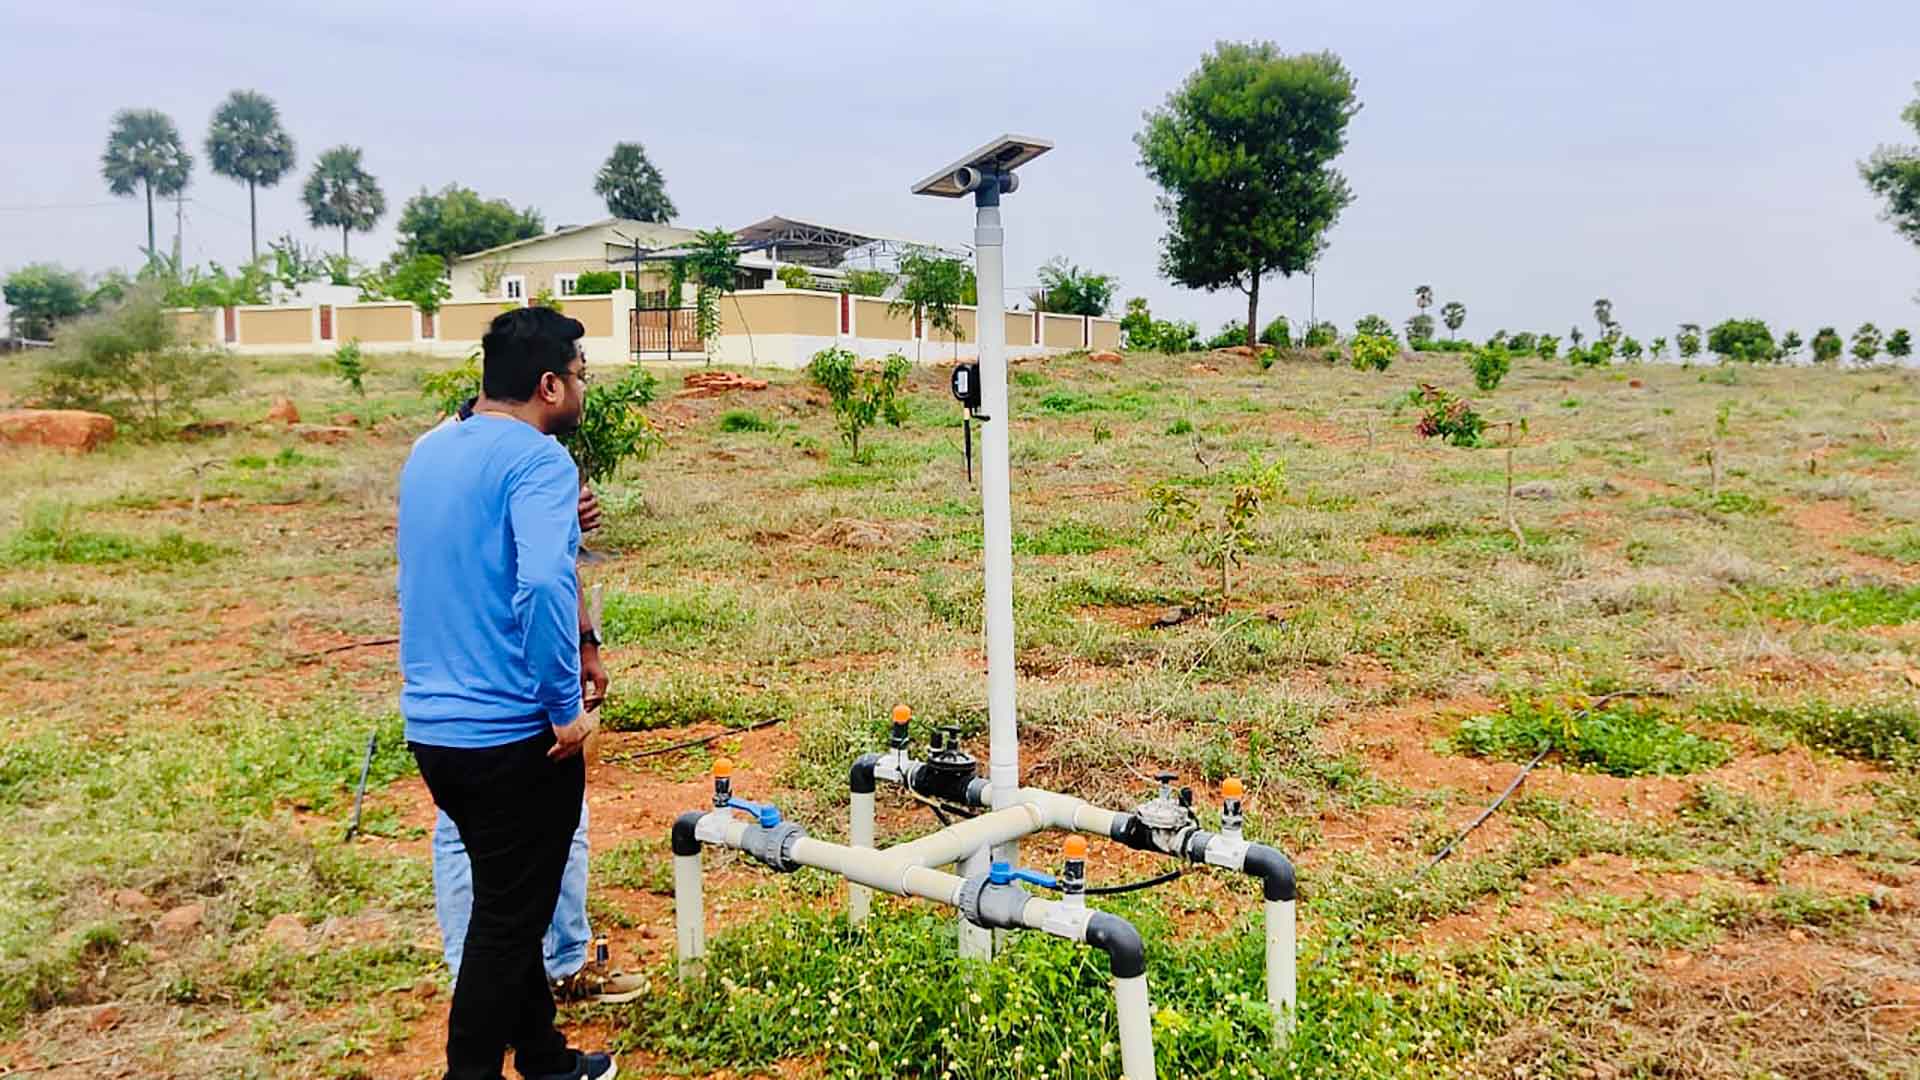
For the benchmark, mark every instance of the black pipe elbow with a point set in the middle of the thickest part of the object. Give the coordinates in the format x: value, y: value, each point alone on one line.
x: 860, y: 777
x: 1126, y: 954
x: 684, y: 841
x: 1273, y: 868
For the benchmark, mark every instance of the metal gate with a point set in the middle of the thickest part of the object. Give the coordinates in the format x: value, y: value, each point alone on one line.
x: 665, y: 330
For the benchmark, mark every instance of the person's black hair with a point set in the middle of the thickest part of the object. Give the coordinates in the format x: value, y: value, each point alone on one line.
x: 523, y: 344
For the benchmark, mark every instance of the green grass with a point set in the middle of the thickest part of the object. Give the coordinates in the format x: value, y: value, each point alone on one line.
x: 885, y: 1002
x: 50, y: 535
x: 1900, y: 545
x: 1066, y: 538
x: 745, y: 420
x: 1620, y: 738
x: 670, y: 620
x: 636, y: 864
x: 1852, y: 606
x: 682, y: 702
x: 1886, y: 730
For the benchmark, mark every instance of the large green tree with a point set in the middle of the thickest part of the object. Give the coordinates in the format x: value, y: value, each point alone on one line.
x: 41, y: 295
x: 1243, y: 154
x: 340, y: 194
x: 632, y: 186
x: 245, y: 142
x: 1893, y: 173
x: 1069, y: 290
x: 144, y: 151
x: 457, y: 221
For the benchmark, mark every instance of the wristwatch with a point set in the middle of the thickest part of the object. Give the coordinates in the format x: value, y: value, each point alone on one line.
x: 588, y: 637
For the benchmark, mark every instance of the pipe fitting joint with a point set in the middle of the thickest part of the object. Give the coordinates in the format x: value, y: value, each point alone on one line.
x: 860, y: 777
x: 1126, y: 953
x: 773, y: 847
x: 684, y: 840
x: 991, y: 905
x: 1274, y: 869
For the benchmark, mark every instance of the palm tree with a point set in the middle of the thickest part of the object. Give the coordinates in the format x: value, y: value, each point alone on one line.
x: 144, y: 149
x: 1455, y: 316
x: 247, y: 143
x: 1423, y: 297
x: 632, y: 186
x: 342, y: 195
x: 1603, y: 313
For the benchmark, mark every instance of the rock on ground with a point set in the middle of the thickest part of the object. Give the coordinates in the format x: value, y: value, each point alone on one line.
x: 283, y: 412
x: 63, y: 429
x: 1105, y: 356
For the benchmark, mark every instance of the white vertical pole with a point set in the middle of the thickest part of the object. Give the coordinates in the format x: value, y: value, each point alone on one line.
x: 1135, y: 1020
x: 689, y: 915
x: 1282, y: 988
x: 860, y: 835
x: 996, y: 510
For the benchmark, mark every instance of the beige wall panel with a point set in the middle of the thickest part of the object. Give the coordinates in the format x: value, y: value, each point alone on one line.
x: 283, y: 326
x: 385, y: 323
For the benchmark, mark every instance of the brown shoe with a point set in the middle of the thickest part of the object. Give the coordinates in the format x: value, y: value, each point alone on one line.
x: 601, y: 988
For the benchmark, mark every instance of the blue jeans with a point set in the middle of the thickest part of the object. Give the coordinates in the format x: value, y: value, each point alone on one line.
x: 565, y: 945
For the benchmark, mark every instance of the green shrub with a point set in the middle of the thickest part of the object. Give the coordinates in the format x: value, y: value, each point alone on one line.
x: 1826, y: 345
x: 1373, y: 325
x: 597, y: 282
x: 1620, y: 738
x: 613, y: 429
x: 744, y: 420
x: 867, y: 282
x: 1376, y: 351
x: 1322, y: 334
x: 1442, y: 345
x: 795, y: 277
x: 452, y: 388
x: 1231, y: 333
x: 1140, y: 330
x: 1450, y: 417
x: 130, y: 363
x: 860, y: 396
x: 1746, y: 340
x: 1546, y: 347
x: 351, y: 366
x: 1278, y: 333
x: 1490, y: 364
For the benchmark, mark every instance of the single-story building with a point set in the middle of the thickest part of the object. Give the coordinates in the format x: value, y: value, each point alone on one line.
x: 553, y: 262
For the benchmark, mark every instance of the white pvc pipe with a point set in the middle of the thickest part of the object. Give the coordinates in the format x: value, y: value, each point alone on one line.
x: 960, y: 839
x: 689, y: 915
x: 1059, y: 811
x: 1136, y: 1027
x: 1282, y: 988
x: 860, y: 835
x: 996, y: 511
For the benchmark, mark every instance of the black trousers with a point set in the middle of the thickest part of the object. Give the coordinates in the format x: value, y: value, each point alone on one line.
x: 517, y: 812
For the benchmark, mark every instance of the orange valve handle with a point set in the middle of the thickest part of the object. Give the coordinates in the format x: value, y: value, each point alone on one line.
x: 1076, y: 847
x: 722, y: 768
x: 1232, y: 788
x: 902, y: 714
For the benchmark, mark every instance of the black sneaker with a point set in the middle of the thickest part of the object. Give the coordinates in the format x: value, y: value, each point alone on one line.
x: 586, y: 1067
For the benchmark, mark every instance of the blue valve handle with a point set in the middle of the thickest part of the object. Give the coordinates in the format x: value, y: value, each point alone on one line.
x: 767, y: 813
x: 1002, y: 874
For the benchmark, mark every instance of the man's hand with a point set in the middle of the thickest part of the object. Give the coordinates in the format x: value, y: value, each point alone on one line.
x: 593, y: 677
x: 570, y: 740
x: 589, y: 509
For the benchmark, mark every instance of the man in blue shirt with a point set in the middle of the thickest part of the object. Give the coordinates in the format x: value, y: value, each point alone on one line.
x: 490, y: 656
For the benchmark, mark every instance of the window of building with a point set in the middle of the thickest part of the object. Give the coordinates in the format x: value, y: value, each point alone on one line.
x: 563, y: 284
x: 513, y: 287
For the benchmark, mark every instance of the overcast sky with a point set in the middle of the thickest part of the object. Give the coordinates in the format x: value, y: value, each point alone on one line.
x: 1689, y: 160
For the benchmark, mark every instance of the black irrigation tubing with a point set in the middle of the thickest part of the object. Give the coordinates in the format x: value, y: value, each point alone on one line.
x: 1519, y: 779
x: 688, y: 744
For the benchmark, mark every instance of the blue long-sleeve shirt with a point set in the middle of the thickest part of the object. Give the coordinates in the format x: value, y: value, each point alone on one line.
x: 489, y: 619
